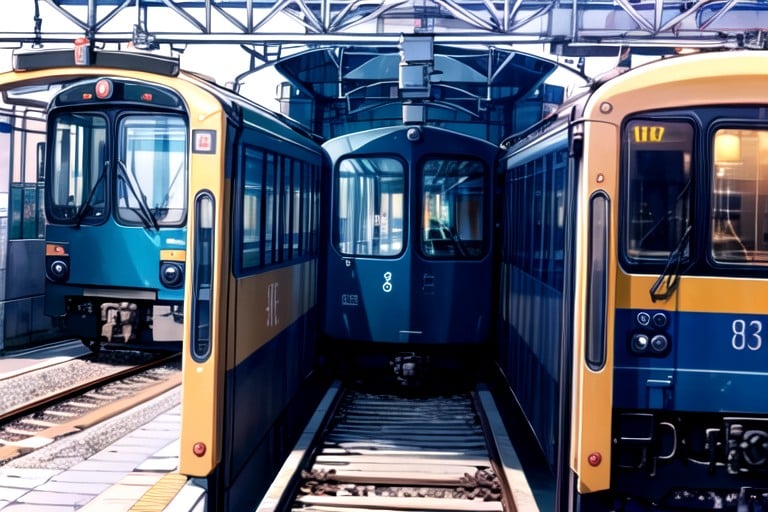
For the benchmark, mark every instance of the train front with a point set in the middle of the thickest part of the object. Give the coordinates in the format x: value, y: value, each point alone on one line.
x: 115, y: 202
x: 408, y: 264
x: 673, y: 255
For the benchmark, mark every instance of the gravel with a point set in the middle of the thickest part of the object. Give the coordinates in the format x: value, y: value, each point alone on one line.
x: 73, y: 449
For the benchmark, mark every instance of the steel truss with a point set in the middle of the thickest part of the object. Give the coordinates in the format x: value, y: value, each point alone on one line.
x: 574, y: 27
x: 326, y: 48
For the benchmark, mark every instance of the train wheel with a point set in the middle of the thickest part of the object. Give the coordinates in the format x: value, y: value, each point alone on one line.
x: 93, y: 345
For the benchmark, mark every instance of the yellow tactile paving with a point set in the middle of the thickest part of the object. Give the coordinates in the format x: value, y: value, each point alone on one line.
x: 161, y: 494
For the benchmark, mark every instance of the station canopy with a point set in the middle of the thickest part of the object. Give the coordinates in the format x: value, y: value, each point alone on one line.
x: 346, y: 65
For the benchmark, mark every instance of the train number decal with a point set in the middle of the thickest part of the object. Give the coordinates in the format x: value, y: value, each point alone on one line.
x: 387, y: 286
x: 746, y: 334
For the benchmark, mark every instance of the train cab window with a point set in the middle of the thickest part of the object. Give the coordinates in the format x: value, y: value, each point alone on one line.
x: 658, y: 173
x: 739, y: 201
x: 152, y: 170
x: 77, y: 171
x: 368, y: 209
x: 453, y: 192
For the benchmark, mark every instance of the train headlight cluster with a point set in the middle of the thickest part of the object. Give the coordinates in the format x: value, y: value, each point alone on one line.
x: 58, y: 270
x: 57, y: 262
x: 647, y: 340
x: 171, y: 274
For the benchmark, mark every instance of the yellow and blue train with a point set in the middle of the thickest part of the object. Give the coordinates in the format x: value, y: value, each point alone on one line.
x: 170, y: 193
x: 251, y: 293
x: 633, y: 317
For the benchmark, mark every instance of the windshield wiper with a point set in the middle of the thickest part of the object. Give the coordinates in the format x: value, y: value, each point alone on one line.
x: 459, y: 244
x: 144, y: 213
x: 83, y: 207
x: 670, y: 276
x: 163, y: 207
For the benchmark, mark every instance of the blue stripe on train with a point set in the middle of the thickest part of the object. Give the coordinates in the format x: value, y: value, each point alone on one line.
x: 717, y: 362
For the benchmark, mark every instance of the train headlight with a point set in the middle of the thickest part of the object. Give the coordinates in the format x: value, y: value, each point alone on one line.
x: 659, y: 343
x: 640, y: 343
x: 57, y: 270
x: 171, y: 274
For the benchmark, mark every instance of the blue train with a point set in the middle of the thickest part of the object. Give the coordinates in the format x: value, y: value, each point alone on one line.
x: 118, y: 161
x: 409, y: 211
x: 117, y: 171
x: 633, y: 276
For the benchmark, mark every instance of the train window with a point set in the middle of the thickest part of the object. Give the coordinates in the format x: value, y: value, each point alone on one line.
x: 314, y: 226
x: 453, y: 208
x: 535, y: 238
x: 296, y: 209
x: 284, y: 209
x: 740, y: 196
x: 78, y: 168
x: 152, y: 170
x: 251, y: 208
x: 269, y: 212
x: 368, y: 206
x: 658, y: 172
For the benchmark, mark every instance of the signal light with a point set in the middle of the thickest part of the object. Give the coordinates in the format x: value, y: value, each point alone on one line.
x: 103, y: 89
x: 199, y: 449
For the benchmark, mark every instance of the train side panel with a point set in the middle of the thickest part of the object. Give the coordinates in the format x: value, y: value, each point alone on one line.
x: 252, y: 299
x: 662, y: 316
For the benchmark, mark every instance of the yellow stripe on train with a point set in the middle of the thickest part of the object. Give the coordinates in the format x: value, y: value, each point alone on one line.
x: 695, y: 293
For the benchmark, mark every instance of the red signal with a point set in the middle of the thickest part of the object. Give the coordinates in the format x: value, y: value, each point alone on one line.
x: 103, y: 89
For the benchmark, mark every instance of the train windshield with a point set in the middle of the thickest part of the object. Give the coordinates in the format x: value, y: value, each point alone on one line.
x: 368, y: 206
x: 453, y: 208
x: 740, y: 196
x: 658, y: 166
x: 152, y: 170
x: 149, y: 175
x: 78, y: 168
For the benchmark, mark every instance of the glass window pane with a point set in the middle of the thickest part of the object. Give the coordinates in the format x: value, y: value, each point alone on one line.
x: 453, y: 208
x: 369, y: 206
x: 251, y: 208
x: 153, y: 168
x: 740, y: 196
x: 77, y: 167
x: 269, y: 198
x: 658, y: 161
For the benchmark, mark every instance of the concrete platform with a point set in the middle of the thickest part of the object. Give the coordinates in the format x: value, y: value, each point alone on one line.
x: 139, y: 472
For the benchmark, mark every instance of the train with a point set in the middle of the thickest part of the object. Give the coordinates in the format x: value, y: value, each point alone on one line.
x: 409, y: 224
x: 633, y: 264
x: 118, y: 163
x: 250, y: 285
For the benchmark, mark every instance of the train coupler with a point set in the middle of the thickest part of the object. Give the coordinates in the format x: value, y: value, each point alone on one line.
x: 408, y: 368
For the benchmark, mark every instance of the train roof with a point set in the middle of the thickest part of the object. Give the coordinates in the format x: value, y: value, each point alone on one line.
x: 159, y: 65
x: 657, y: 72
x: 351, y: 142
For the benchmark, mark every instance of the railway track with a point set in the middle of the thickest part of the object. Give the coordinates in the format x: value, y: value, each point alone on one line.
x: 390, y: 452
x: 41, y: 421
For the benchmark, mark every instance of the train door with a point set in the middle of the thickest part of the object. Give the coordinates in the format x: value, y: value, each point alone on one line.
x: 451, y: 272
x: 368, y: 273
